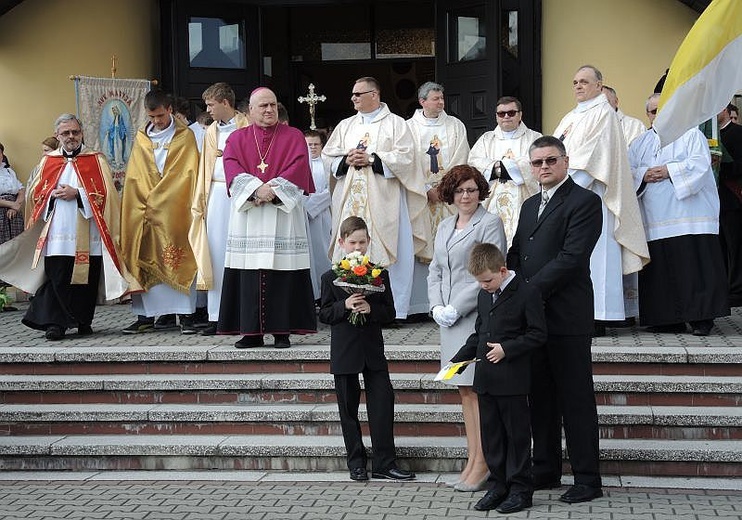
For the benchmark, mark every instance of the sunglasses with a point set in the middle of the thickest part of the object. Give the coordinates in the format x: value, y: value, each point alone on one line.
x: 359, y: 94
x: 509, y: 113
x: 653, y: 112
x: 550, y: 161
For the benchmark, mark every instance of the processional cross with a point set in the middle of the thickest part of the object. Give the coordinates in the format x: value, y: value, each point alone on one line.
x: 312, y: 99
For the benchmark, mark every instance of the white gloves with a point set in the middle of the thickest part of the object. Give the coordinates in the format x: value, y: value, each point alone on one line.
x: 445, y: 316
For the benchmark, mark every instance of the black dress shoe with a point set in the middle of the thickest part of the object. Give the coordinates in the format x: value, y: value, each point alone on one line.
x: 581, y: 493
x: 394, y: 474
x: 54, y: 333
x: 281, y: 341
x: 548, y: 484
x: 702, y: 328
x: 514, y: 503
x: 249, y: 342
x: 358, y: 474
x: 210, y: 330
x: 674, y: 328
x: 598, y: 329
x: 84, y: 330
x: 491, y: 500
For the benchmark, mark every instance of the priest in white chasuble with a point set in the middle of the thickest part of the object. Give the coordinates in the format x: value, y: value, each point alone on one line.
x: 372, y: 156
x: 598, y: 161
x: 156, y: 216
x: 685, y: 282
x: 267, y: 287
x: 501, y: 155
x: 70, y: 248
x: 440, y: 144
x: 210, y: 207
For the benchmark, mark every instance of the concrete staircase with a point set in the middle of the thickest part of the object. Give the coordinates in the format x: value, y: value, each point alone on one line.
x: 664, y: 411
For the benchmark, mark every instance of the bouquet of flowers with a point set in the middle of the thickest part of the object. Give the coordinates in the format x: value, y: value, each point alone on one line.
x: 357, y: 275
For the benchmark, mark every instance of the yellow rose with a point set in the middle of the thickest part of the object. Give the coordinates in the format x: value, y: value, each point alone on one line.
x: 365, y: 260
x: 345, y: 264
x: 375, y: 273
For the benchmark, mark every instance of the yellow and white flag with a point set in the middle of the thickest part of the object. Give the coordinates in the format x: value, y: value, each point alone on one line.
x: 450, y: 370
x: 705, y: 73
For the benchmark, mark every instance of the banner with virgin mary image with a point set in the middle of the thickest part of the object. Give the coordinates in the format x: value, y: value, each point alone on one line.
x: 111, y: 111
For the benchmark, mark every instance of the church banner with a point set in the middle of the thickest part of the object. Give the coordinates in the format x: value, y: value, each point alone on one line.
x: 705, y: 73
x: 111, y: 111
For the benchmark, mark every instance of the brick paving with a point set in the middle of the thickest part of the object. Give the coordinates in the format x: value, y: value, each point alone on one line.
x: 218, y: 500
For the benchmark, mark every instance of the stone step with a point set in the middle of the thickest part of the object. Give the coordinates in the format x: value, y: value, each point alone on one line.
x: 71, y: 359
x: 327, y: 453
x: 298, y: 387
x: 635, y: 422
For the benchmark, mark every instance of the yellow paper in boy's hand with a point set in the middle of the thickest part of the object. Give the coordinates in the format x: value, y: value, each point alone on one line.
x: 448, y: 371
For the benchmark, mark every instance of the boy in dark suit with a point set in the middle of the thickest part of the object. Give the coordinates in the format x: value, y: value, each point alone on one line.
x: 509, y: 324
x: 358, y: 349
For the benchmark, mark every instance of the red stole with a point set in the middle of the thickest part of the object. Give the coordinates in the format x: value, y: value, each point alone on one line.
x: 90, y: 176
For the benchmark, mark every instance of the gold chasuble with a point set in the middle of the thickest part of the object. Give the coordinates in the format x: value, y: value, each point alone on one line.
x: 156, y: 212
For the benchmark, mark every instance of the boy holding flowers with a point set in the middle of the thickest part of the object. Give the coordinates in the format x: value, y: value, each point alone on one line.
x: 357, y: 346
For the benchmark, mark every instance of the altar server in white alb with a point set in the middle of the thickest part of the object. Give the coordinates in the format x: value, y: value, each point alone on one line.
x: 685, y: 281
x: 318, y: 205
x: 210, y: 207
x: 501, y: 155
x: 598, y: 161
x: 372, y: 155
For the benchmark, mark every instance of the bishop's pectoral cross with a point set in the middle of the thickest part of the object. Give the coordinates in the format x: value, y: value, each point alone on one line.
x: 262, y: 166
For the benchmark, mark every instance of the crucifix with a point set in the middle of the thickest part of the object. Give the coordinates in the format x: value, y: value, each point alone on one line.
x: 312, y: 99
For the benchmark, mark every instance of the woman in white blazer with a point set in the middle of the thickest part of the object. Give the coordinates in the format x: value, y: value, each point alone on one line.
x: 452, y: 292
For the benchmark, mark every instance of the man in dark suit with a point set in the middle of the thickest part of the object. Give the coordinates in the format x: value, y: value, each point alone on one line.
x: 556, y: 233
x: 730, y: 198
x: 510, y: 324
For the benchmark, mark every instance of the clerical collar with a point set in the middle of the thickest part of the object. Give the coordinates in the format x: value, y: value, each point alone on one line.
x: 73, y: 153
x: 430, y: 120
x: 590, y: 103
x: 726, y: 125
x: 370, y: 116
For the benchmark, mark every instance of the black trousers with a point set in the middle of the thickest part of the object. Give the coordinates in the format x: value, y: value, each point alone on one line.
x: 731, y: 234
x: 380, y: 406
x: 562, y: 388
x: 58, y: 301
x: 505, y: 426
